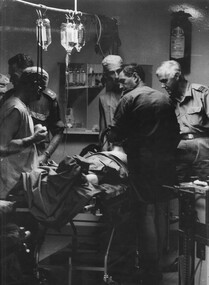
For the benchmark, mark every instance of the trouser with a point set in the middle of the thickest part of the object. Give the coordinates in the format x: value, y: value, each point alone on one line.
x: 193, y: 159
x: 151, y: 223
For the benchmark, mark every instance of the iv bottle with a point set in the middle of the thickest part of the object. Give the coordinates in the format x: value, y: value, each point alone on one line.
x: 81, y: 37
x: 43, y: 33
x: 69, y: 36
x: 180, y: 40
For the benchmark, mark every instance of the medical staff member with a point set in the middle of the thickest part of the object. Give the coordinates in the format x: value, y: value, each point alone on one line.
x: 146, y: 123
x: 191, y: 102
x: 17, y: 136
x: 110, y: 94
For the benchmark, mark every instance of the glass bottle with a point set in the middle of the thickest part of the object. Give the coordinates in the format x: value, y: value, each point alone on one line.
x: 78, y: 77
x: 81, y: 37
x: 75, y: 76
x: 69, y: 36
x: 70, y: 77
x: 43, y: 33
x: 83, y: 77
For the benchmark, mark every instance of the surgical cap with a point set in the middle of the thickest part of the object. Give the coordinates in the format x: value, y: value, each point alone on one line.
x: 34, y: 74
x: 112, y: 62
x: 4, y: 81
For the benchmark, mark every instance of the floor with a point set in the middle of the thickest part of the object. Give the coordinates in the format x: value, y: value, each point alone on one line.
x: 58, y: 274
x: 92, y: 243
x: 54, y: 260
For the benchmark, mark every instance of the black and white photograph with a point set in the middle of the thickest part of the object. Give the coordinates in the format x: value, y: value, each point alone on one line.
x: 104, y: 142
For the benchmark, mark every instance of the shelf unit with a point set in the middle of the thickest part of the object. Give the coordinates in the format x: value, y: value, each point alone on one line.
x: 81, y: 86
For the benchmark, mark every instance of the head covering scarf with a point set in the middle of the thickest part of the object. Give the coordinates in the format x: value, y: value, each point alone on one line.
x: 34, y: 74
x: 112, y: 62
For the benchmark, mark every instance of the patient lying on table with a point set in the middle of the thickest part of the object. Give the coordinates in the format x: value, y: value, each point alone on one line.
x: 57, y: 195
x: 117, y: 152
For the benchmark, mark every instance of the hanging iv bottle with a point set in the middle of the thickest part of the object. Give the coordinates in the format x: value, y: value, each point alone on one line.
x: 81, y: 37
x: 69, y: 36
x: 43, y: 33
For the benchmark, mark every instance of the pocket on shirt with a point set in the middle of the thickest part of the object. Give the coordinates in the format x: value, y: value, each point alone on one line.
x: 194, y: 116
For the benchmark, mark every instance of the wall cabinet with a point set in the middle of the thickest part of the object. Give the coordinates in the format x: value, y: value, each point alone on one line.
x: 83, y: 100
x: 80, y: 87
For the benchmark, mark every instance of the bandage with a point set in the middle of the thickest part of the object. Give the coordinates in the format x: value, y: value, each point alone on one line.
x: 32, y: 73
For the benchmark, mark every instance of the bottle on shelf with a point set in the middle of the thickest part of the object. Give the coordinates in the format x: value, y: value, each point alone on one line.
x: 78, y: 77
x: 70, y: 118
x: 82, y: 77
x: 75, y: 76
x: 70, y: 77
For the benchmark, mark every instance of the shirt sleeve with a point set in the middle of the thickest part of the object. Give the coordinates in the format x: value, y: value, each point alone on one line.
x: 55, y: 124
x: 206, y: 101
x: 121, y: 120
x: 102, y: 121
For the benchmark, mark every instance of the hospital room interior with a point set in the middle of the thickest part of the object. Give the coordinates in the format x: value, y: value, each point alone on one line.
x: 104, y: 142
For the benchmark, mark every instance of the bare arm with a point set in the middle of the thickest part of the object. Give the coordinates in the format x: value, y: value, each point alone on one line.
x: 8, y: 130
x: 51, y: 148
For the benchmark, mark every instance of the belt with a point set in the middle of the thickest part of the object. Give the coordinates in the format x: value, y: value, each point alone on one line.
x: 194, y: 136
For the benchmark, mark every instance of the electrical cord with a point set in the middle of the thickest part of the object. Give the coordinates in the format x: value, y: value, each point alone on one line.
x: 99, y: 35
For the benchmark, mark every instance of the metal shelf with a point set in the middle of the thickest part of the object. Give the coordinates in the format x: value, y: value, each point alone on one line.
x: 78, y: 131
x: 83, y: 87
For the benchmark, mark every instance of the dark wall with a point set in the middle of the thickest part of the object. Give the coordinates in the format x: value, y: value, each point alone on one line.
x: 144, y: 30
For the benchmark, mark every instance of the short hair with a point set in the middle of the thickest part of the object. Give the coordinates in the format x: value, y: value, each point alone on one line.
x: 129, y: 70
x: 169, y: 68
x: 22, y: 60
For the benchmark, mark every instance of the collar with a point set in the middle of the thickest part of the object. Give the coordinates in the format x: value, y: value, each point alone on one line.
x: 187, y: 93
x: 188, y: 89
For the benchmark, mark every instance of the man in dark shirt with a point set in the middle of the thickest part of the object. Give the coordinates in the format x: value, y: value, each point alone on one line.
x: 146, y: 123
x: 45, y: 111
